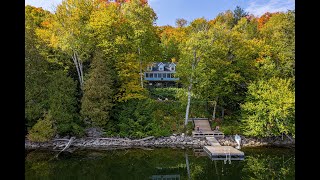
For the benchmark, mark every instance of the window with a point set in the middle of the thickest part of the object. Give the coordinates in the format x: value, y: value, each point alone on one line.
x: 173, y: 68
x: 168, y: 75
x: 159, y: 75
x: 160, y: 68
x: 151, y: 75
x: 147, y: 75
x: 155, y: 75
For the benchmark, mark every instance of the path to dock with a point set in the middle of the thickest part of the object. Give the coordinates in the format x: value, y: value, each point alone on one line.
x: 215, y: 151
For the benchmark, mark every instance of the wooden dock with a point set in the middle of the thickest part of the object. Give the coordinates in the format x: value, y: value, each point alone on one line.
x: 223, y: 152
x: 213, y: 141
x: 204, y: 129
x: 215, y: 151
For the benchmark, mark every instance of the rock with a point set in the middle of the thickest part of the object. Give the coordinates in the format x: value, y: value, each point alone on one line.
x: 94, y: 132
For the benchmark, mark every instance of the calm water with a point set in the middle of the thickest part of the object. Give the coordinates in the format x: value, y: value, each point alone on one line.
x: 259, y: 163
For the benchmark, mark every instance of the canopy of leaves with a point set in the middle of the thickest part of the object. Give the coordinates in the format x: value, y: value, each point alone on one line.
x: 269, y: 109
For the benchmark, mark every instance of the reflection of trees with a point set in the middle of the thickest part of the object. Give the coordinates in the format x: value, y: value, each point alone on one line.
x: 140, y: 164
x: 269, y: 167
x: 38, y: 164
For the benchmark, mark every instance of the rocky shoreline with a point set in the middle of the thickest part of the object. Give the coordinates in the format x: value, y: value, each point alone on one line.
x: 174, y: 141
x: 258, y: 142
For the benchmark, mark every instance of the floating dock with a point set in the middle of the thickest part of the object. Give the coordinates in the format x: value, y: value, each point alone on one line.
x: 223, y: 152
x: 215, y: 151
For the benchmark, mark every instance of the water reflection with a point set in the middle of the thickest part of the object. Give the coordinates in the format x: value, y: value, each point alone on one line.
x: 158, y: 164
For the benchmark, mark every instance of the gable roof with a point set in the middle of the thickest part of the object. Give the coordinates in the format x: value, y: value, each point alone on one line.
x: 167, y: 66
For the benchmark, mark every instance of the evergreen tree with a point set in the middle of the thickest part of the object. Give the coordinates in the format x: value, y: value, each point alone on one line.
x: 98, y: 92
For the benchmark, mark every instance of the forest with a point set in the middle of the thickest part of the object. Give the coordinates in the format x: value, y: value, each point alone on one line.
x: 84, y: 64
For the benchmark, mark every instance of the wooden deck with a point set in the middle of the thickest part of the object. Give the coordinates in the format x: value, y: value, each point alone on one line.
x: 202, y: 134
x: 215, y: 151
x: 213, y: 141
x: 204, y: 129
x: 223, y: 152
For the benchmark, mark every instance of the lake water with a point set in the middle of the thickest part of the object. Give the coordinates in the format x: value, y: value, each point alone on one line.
x: 136, y: 164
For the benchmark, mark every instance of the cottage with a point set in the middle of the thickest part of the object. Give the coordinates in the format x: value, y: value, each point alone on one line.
x: 161, y: 74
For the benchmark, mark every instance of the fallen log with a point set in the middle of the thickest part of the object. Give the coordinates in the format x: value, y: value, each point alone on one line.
x: 67, y: 145
x: 61, y: 140
x: 288, y: 136
x: 143, y: 139
x: 125, y: 140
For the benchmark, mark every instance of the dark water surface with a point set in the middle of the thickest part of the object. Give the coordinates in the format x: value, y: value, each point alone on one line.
x: 259, y: 163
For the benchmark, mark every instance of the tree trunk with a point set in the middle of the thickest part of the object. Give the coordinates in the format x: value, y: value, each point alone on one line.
x: 80, y: 69
x: 141, y: 77
x: 75, y: 60
x: 189, y: 91
x: 187, y: 164
x: 188, y: 105
x: 214, y: 109
x: 222, y: 113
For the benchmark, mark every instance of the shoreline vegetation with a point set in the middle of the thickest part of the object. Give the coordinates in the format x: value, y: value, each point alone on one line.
x: 174, y: 141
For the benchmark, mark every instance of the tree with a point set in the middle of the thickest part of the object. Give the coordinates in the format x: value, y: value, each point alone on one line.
x: 143, y: 34
x: 225, y: 19
x: 264, y: 18
x: 269, y: 109
x: 277, y: 57
x: 238, y: 14
x: 69, y: 31
x: 43, y: 130
x: 37, y: 69
x: 225, y: 67
x: 171, y: 38
x: 98, y: 92
x: 180, y: 22
x: 63, y: 103
x: 192, y: 54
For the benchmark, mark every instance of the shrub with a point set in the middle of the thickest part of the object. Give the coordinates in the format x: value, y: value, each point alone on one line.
x: 43, y: 130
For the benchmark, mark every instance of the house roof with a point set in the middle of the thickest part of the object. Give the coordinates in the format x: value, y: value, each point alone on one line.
x: 167, y: 65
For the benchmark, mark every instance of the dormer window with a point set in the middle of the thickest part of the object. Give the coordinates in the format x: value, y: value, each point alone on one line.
x: 172, y: 67
x: 161, y: 66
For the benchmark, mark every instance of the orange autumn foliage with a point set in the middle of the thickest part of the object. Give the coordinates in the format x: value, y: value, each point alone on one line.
x: 264, y: 18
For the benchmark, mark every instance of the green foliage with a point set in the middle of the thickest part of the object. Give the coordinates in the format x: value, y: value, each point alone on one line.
x: 189, y: 128
x: 37, y: 70
x: 135, y: 118
x: 63, y: 104
x: 98, y: 93
x: 170, y: 93
x: 149, y: 118
x: 43, y: 130
x: 277, y: 56
x: 230, y: 128
x: 238, y: 14
x: 269, y: 109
